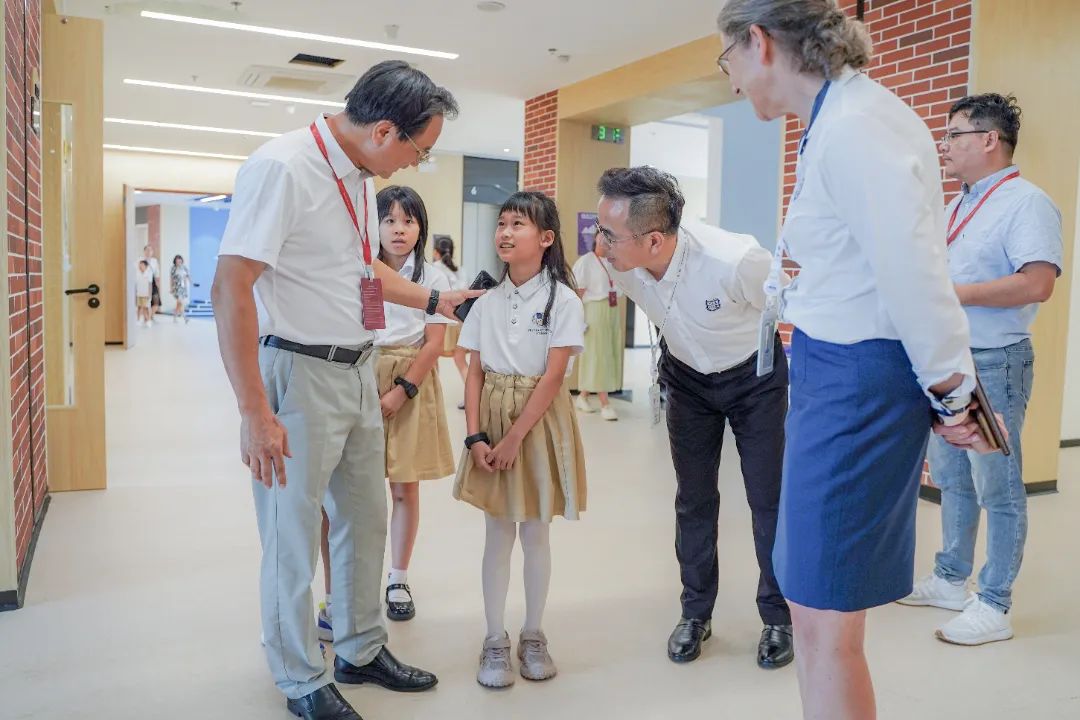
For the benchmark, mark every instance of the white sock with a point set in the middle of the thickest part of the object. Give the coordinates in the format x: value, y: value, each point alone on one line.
x: 536, y: 543
x: 398, y: 577
x: 498, y: 546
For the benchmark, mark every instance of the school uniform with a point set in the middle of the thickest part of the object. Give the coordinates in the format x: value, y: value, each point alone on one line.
x: 878, y: 323
x: 455, y: 281
x: 600, y: 369
x: 417, y: 437
x: 506, y: 327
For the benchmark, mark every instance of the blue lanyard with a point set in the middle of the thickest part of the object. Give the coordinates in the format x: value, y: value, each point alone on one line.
x: 818, y: 101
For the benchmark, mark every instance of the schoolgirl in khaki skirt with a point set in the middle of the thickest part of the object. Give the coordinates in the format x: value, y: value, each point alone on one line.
x: 414, y: 417
x: 524, y: 464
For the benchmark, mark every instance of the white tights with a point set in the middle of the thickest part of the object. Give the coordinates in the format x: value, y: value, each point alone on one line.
x: 498, y: 545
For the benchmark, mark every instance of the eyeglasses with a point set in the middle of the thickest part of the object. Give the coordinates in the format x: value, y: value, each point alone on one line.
x: 951, y: 135
x: 611, y: 241
x: 422, y: 156
x: 722, y: 62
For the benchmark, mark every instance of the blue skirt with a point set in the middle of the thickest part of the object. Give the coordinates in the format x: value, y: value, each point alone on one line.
x: 856, y: 439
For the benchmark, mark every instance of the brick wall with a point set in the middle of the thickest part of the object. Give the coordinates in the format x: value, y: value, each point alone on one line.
x: 541, y: 136
x: 26, y: 344
x: 922, y: 53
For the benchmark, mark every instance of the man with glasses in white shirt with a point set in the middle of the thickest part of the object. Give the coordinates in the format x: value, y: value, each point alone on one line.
x: 703, y: 288
x: 297, y: 297
x: 1005, y: 253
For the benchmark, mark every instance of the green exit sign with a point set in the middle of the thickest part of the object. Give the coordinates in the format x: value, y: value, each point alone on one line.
x: 607, y: 133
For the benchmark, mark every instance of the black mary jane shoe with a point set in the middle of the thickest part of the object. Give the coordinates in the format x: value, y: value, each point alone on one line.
x: 776, y: 648
x: 400, y: 611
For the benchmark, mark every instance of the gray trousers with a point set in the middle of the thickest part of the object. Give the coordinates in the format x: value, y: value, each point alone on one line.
x: 331, y: 414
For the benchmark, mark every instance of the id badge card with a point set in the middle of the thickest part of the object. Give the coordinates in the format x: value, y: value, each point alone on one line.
x: 612, y: 299
x: 654, y: 402
x: 767, y: 338
x: 371, y: 298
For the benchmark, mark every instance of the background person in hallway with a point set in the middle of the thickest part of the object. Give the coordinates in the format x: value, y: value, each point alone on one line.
x: 443, y: 255
x: 1004, y: 240
x: 600, y: 369
x: 703, y: 287
x: 864, y: 224
x: 144, y: 283
x: 291, y: 326
x: 155, y: 290
x: 180, y: 285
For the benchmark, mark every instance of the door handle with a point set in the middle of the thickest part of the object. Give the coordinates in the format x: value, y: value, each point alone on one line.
x: 92, y: 288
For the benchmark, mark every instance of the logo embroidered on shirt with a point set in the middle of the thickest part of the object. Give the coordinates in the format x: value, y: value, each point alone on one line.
x: 713, y: 305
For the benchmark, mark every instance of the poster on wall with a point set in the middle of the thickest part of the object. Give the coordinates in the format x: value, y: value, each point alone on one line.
x: 586, y: 231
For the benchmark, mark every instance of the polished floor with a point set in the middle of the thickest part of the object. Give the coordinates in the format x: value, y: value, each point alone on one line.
x: 142, y: 602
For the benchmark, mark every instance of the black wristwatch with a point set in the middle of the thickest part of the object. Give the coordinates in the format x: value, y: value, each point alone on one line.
x: 478, y: 437
x: 410, y: 389
x: 433, y: 303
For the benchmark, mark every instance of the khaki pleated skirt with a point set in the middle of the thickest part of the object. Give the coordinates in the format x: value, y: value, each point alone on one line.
x: 600, y: 366
x: 548, y: 476
x: 453, y: 332
x: 417, y: 437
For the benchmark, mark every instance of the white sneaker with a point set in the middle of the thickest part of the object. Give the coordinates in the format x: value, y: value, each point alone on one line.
x: 608, y: 413
x: 323, y: 626
x: 582, y: 404
x: 495, y: 668
x: 977, y: 625
x: 934, y: 591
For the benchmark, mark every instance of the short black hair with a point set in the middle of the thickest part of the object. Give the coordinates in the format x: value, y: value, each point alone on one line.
x: 143, y: 262
x: 991, y: 111
x: 656, y: 203
x: 398, y: 92
x: 413, y: 206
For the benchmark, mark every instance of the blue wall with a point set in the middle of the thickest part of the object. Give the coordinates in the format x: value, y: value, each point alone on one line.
x: 750, y: 172
x: 207, y: 227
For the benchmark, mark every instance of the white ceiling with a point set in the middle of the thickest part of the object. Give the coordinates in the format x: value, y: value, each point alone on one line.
x: 504, y: 59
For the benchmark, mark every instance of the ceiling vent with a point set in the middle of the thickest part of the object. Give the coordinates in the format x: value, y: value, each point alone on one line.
x: 291, y: 80
x: 315, y: 60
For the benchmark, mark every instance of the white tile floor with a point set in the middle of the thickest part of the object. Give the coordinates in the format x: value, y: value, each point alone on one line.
x: 142, y: 599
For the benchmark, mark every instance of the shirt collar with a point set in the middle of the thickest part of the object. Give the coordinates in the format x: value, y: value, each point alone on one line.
x: 528, y: 289
x: 973, y: 191
x: 682, y: 247
x: 410, y: 265
x: 339, y: 161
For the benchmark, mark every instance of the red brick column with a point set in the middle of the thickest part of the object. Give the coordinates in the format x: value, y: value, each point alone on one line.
x: 541, y: 142
x: 26, y: 343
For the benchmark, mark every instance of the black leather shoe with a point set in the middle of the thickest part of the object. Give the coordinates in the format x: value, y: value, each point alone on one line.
x: 684, y: 645
x: 385, y: 670
x: 325, y: 703
x: 400, y: 611
x: 777, y: 647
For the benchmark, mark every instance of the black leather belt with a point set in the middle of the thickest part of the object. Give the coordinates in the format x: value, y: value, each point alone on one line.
x: 330, y: 353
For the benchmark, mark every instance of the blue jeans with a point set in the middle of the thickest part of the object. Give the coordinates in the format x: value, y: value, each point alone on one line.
x: 970, y: 483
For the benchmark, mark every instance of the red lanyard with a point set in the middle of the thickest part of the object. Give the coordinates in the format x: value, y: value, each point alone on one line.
x: 345, y: 197
x: 953, y: 234
x: 611, y: 283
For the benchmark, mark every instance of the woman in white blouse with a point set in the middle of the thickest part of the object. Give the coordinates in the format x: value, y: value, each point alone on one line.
x: 881, y: 342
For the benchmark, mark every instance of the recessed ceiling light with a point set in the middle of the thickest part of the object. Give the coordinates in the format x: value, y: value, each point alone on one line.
x: 164, y: 151
x: 506, y: 149
x: 490, y: 6
x: 233, y: 93
x: 279, y: 32
x: 199, y: 128
x: 212, y: 198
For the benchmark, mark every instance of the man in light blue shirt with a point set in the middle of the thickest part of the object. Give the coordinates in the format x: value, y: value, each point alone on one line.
x: 1005, y: 254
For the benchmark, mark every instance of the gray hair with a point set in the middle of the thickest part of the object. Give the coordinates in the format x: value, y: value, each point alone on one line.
x: 817, y: 34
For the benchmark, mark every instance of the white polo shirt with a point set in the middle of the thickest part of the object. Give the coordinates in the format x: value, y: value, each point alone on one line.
x: 506, y: 326
x: 868, y: 233
x: 716, y: 310
x: 592, y: 277
x: 287, y: 212
x: 405, y: 325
